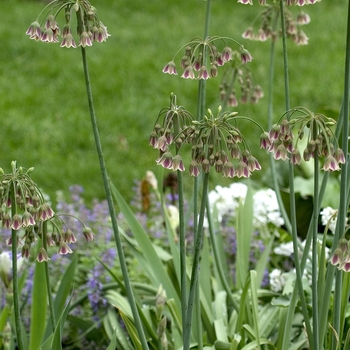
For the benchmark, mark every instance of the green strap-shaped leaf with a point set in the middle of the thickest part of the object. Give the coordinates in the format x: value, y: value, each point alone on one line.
x: 153, y: 261
x: 39, y: 307
x: 63, y: 292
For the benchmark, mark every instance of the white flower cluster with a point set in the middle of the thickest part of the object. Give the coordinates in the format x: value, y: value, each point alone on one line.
x: 225, y: 200
x: 266, y: 209
x: 6, y: 267
x: 277, y: 280
x: 329, y: 217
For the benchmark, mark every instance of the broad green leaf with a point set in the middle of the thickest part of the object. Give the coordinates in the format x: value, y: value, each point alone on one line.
x: 54, y: 341
x: 119, y: 301
x: 65, y: 286
x: 263, y: 261
x: 57, y: 336
x: 113, y: 344
x: 39, y: 307
x: 151, y: 259
x: 4, y: 315
x: 220, y: 307
x: 220, y: 330
x: 131, y: 330
x: 221, y: 345
x: 280, y: 301
x: 113, y: 328
x: 244, y: 234
x: 254, y: 344
x: 205, y: 272
x: 245, y: 312
x: 63, y: 292
x: 254, y: 305
x: 88, y: 328
x: 268, y: 320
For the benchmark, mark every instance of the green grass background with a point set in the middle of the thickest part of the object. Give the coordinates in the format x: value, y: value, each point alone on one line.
x: 44, y: 118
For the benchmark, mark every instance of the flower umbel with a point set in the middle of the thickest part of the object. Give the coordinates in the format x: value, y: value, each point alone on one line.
x: 237, y: 73
x: 215, y: 144
x: 267, y: 28
x: 169, y: 125
x: 320, y: 139
x: 24, y: 209
x: 89, y: 29
x: 203, y: 57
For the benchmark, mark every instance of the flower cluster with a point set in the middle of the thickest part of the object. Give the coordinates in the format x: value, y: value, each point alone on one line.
x: 202, y: 58
x: 215, y: 142
x: 168, y: 129
x: 329, y: 218
x: 24, y: 209
x: 341, y: 255
x: 320, y: 139
x: 239, y: 73
x: 267, y: 28
x: 89, y: 28
x: 288, y: 2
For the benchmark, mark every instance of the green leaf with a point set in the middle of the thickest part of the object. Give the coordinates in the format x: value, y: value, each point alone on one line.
x: 151, y: 262
x: 113, y: 329
x: 65, y: 288
x: 54, y: 341
x: 268, y: 320
x: 88, y: 328
x: 57, y: 336
x: 254, y: 305
x: 113, y: 344
x: 264, y: 260
x: 244, y: 234
x: 254, y: 344
x: 39, y: 307
x: 220, y: 330
x: 131, y: 330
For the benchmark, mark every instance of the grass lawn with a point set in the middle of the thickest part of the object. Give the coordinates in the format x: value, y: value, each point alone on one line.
x: 43, y: 109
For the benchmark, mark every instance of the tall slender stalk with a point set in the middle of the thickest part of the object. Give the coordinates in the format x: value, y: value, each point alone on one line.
x: 47, y: 276
x: 15, y: 276
x: 218, y: 263
x: 195, y: 266
x: 314, y: 225
x: 343, y: 184
x: 111, y: 207
x: 182, y: 239
x: 201, y: 101
x: 274, y: 177
x: 293, y: 219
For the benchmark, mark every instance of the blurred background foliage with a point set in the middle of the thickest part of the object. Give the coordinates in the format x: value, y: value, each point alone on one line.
x: 44, y: 118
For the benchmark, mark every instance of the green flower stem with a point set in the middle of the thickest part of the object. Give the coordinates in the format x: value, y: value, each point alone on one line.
x: 274, y: 176
x: 182, y: 251
x: 219, y: 267
x: 111, y: 207
x: 182, y: 238
x: 194, y: 285
x: 343, y: 185
x: 323, y: 316
x: 15, y: 275
x: 314, y: 225
x: 47, y: 275
x: 326, y: 297
x: 195, y: 266
x: 292, y: 192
